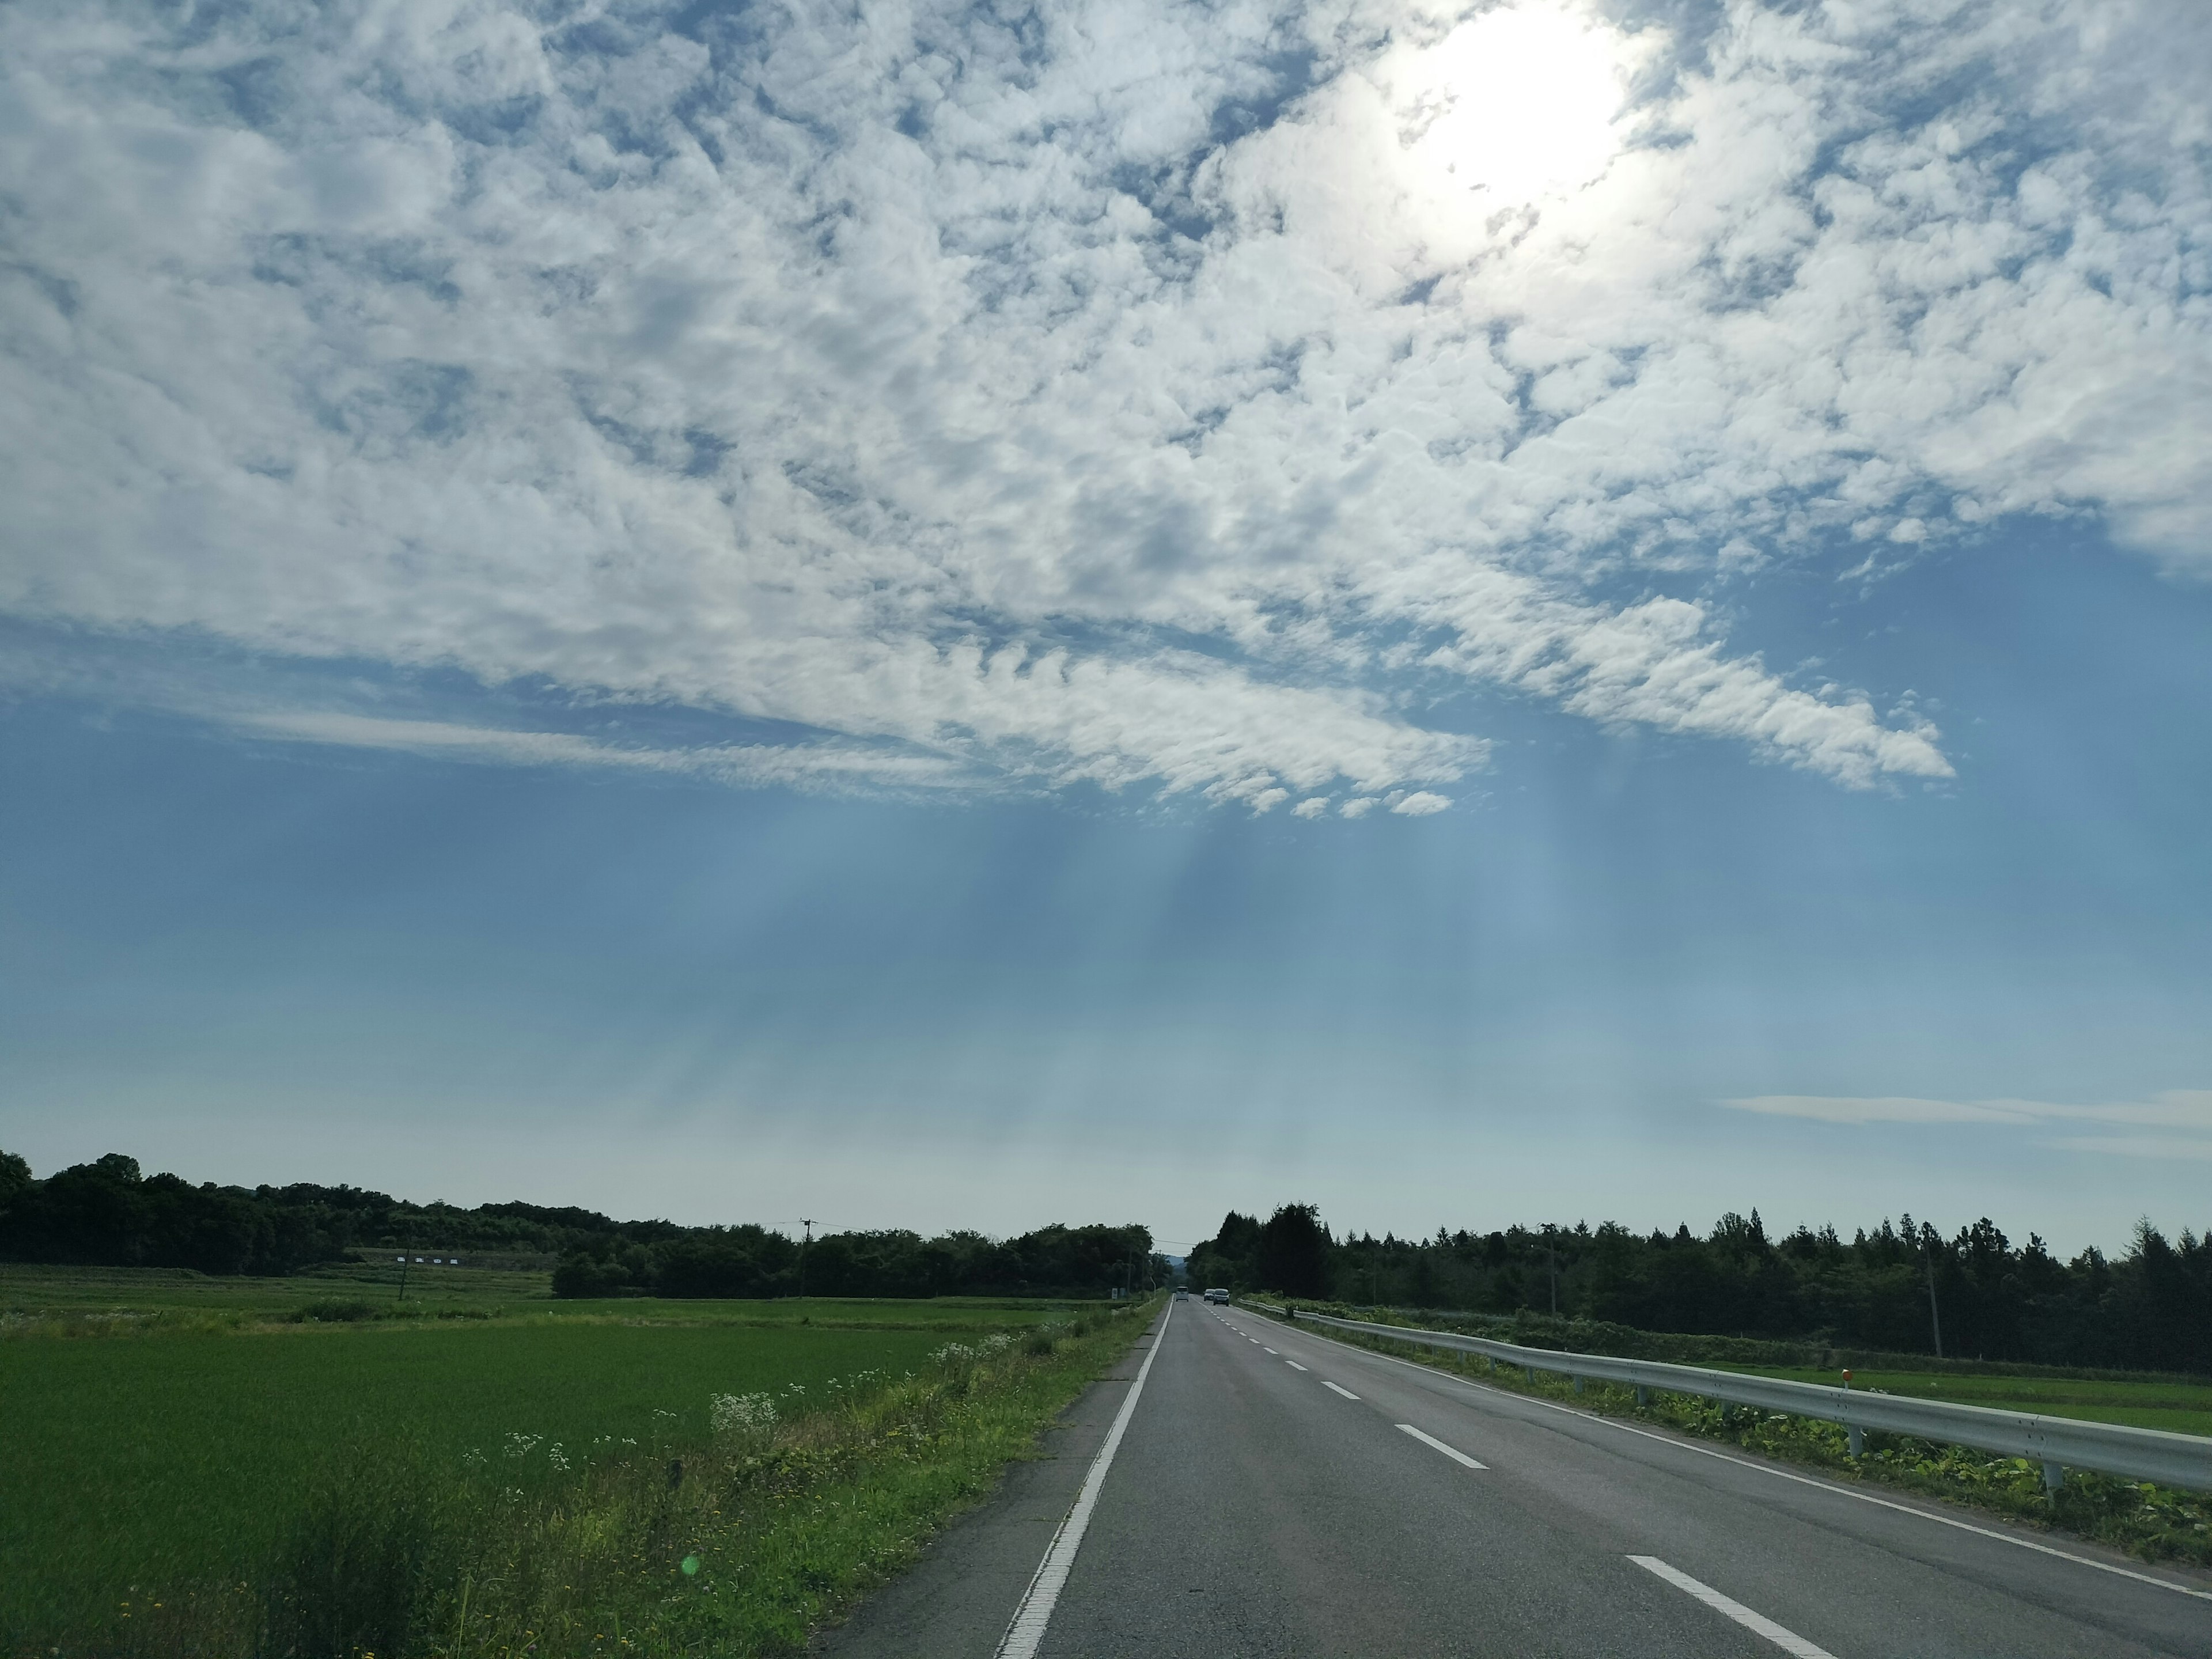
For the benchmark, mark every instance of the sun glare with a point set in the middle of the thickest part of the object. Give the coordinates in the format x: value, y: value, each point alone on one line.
x: 1529, y: 97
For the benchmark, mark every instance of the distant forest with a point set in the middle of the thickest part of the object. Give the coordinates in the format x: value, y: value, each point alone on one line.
x: 1888, y: 1290
x: 107, y: 1213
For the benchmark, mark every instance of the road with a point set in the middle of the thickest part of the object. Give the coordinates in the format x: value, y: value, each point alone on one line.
x: 1275, y: 1492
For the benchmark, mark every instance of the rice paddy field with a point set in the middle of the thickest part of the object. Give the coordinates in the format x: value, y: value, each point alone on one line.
x: 159, y: 1433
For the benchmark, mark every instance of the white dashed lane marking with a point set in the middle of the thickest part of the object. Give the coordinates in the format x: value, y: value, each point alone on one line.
x: 1452, y: 1452
x: 1789, y: 1641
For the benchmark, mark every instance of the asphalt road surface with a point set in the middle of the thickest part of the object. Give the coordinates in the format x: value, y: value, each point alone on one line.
x: 1275, y: 1492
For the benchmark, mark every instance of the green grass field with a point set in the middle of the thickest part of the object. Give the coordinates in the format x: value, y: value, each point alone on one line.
x: 173, y: 1447
x: 36, y: 1290
x: 93, y: 1300
x: 2179, y: 1408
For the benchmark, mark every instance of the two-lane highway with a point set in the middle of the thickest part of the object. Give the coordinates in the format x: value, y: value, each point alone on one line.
x: 1272, y: 1492
x: 1279, y: 1492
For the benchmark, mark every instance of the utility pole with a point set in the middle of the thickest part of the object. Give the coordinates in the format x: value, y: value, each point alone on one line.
x: 803, y: 1244
x: 1928, y: 1242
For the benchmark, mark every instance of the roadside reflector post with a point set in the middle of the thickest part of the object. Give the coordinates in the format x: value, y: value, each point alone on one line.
x: 2054, y: 1477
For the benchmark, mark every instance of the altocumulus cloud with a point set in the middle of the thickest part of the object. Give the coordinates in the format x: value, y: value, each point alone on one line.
x: 1134, y: 393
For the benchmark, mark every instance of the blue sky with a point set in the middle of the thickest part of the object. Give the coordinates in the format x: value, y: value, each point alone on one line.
x: 931, y: 616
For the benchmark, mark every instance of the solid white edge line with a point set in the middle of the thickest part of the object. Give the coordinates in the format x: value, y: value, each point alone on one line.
x: 1346, y: 1393
x: 1789, y: 1641
x: 1785, y: 1474
x: 1452, y: 1452
x: 1026, y: 1629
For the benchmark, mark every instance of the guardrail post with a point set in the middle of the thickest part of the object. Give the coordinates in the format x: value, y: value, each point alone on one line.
x: 1578, y: 1385
x: 1642, y: 1395
x: 1855, y: 1438
x: 1528, y: 1371
x: 2054, y: 1477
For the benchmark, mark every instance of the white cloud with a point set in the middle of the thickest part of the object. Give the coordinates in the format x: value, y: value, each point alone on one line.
x: 802, y: 766
x: 2186, y: 1111
x: 1420, y: 804
x: 2154, y: 1147
x: 1878, y: 1109
x: 940, y: 386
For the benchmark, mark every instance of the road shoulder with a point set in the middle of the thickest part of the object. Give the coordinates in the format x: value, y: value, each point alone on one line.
x: 956, y: 1601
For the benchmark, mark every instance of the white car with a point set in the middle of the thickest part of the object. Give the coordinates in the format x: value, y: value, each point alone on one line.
x: 1216, y: 1296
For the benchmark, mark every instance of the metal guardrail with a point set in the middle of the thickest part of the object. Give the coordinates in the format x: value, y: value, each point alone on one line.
x: 2056, y: 1442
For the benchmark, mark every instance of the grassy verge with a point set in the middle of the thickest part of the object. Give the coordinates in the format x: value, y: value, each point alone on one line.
x: 729, y: 1525
x: 2153, y: 1523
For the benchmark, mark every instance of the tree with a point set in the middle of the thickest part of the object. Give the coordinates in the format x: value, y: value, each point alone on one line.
x: 1293, y: 1254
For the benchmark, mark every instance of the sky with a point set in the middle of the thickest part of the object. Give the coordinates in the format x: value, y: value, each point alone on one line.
x: 964, y: 615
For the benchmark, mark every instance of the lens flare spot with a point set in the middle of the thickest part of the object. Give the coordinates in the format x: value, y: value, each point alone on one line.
x: 1527, y: 99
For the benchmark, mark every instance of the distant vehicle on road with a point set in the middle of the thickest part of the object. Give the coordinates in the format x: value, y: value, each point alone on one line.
x: 1216, y: 1295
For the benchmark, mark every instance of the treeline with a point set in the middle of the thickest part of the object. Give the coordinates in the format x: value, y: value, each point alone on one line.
x: 1899, y: 1288
x: 754, y: 1262
x: 108, y: 1213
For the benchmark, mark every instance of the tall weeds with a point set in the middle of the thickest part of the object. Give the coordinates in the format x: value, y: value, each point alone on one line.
x: 367, y: 1551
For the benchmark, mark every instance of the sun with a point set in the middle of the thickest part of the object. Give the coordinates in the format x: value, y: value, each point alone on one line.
x: 1527, y: 99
